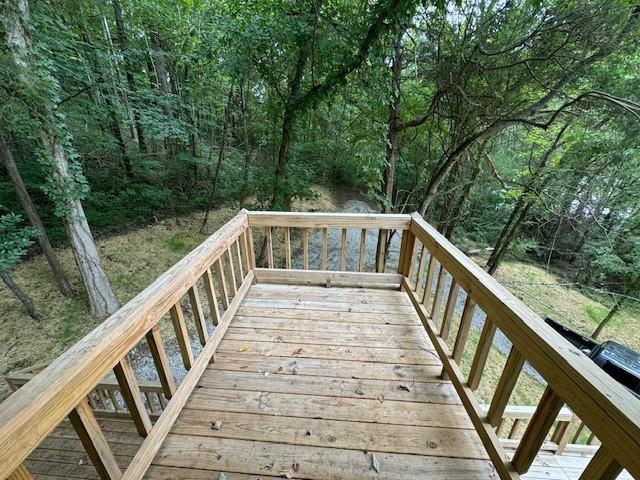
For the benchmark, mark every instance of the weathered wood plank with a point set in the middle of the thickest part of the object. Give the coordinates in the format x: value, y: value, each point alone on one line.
x: 347, y: 317
x: 442, y: 442
x: 331, y: 408
x: 313, y: 462
x: 328, y: 306
x: 329, y: 220
x: 322, y: 277
x: 326, y: 368
x: 337, y: 327
x: 424, y: 392
x: 338, y: 352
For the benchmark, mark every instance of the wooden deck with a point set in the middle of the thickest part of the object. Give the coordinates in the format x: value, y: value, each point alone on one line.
x: 315, y: 383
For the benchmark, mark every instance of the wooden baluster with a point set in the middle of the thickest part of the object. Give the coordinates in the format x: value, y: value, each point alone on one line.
x: 249, y: 251
x: 514, y: 428
x: 210, y: 290
x: 381, y: 250
x: 482, y: 353
x: 579, y: 430
x: 343, y: 250
x: 363, y: 252
x: 161, y: 361
x: 239, y: 255
x: 269, y: 248
x: 114, y: 400
x: 305, y: 248
x: 132, y: 396
x: 603, y: 466
x: 20, y: 473
x: 92, y: 400
x: 232, y: 273
x: 94, y: 442
x: 506, y: 384
x: 150, y: 403
x: 537, y: 430
x: 561, y: 434
x: 198, y: 315
x: 412, y: 260
x: 161, y: 401
x: 287, y: 247
x: 103, y: 400
x: 429, y: 282
x: 463, y: 329
x: 452, y: 300
x: 325, y: 247
x: 437, y: 300
x: 182, y: 335
x: 222, y: 283
x: 592, y: 437
x: 423, y: 256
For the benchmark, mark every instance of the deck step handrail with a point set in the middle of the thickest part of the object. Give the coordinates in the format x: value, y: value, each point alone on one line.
x: 610, y: 411
x: 35, y: 409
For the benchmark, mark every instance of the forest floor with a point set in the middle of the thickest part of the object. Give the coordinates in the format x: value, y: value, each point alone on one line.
x: 134, y: 259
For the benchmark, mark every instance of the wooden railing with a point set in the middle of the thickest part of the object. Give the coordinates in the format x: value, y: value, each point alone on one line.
x: 62, y: 389
x: 610, y: 411
x: 437, y: 278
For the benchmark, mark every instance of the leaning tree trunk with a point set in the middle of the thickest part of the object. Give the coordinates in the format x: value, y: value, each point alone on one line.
x: 20, y: 295
x: 605, y: 321
x: 34, y: 218
x: 102, y: 301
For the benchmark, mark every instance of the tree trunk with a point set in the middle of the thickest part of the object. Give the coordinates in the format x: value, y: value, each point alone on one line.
x: 247, y: 147
x: 615, y: 309
x: 158, y: 61
x: 394, y: 121
x: 102, y: 301
x: 281, y: 199
x: 122, y: 41
x: 34, y: 218
x: 20, y: 295
x: 221, y: 154
x: 507, y: 235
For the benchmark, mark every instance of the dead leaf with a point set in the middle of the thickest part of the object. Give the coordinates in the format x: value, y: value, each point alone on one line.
x: 375, y: 463
x: 280, y: 369
x: 381, y: 398
x: 298, y: 351
x: 359, y: 392
x: 295, y: 467
x: 244, y: 348
x: 403, y: 388
x: 216, y: 425
x: 286, y: 474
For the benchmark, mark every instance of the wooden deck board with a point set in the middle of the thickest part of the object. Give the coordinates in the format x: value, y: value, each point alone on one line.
x: 311, y: 382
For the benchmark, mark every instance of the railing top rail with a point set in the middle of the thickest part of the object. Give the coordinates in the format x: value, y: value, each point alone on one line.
x: 33, y: 411
x: 329, y: 220
x: 609, y: 410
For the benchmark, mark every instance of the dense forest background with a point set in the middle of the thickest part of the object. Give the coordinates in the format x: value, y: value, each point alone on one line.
x: 511, y: 126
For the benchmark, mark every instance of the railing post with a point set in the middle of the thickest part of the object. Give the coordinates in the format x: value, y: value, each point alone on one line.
x: 198, y: 314
x: 94, y: 442
x: 182, y: 335
x: 132, y: 396
x: 561, y: 434
x: 406, y: 253
x: 210, y: 290
x: 20, y: 473
x: 537, y: 430
x: 602, y: 467
x: 381, y: 250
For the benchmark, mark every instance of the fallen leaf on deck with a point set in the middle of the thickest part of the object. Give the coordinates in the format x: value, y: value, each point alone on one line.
x: 403, y: 388
x: 381, y: 398
x: 216, y: 425
x: 280, y: 369
x: 374, y: 463
x: 359, y: 392
x: 295, y: 467
x: 244, y: 348
x: 298, y: 351
x: 286, y: 474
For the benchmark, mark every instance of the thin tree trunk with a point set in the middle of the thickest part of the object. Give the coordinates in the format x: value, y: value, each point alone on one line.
x: 247, y: 147
x: 20, y: 295
x: 221, y: 155
x: 605, y: 321
x: 102, y: 301
x: 394, y: 121
x: 34, y: 218
x: 122, y: 41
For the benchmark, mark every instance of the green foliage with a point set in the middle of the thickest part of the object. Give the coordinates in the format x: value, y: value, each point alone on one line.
x: 14, y: 240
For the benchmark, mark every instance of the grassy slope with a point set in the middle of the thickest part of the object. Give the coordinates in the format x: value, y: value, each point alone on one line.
x: 132, y: 261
